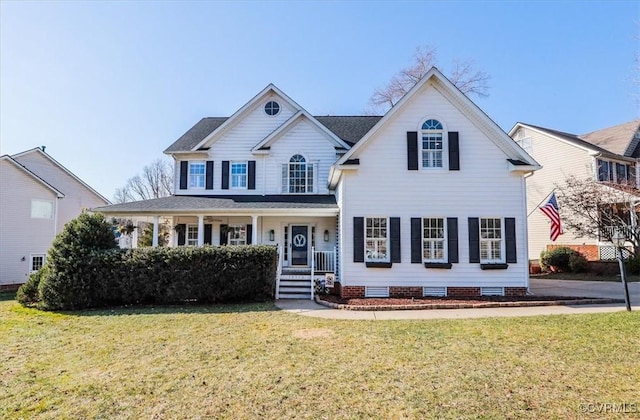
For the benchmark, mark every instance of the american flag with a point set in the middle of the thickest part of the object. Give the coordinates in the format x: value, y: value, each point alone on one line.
x: 551, y: 210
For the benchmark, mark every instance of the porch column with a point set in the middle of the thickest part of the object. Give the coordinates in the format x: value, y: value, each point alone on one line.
x: 200, y: 230
x: 254, y: 231
x: 156, y: 222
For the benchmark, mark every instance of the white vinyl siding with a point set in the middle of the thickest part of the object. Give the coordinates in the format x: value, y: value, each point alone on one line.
x: 383, y: 184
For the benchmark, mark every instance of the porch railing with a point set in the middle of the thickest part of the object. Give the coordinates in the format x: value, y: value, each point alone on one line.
x: 324, y: 261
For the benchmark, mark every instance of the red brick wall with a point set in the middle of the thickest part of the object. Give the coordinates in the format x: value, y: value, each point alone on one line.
x: 589, y: 251
x: 463, y: 291
x: 352, y: 292
x: 405, y: 292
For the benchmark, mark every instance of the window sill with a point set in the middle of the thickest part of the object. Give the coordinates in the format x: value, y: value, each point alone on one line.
x: 494, y: 266
x: 379, y: 264
x: 446, y: 266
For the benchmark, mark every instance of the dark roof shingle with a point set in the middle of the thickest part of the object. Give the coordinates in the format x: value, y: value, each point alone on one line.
x: 348, y: 128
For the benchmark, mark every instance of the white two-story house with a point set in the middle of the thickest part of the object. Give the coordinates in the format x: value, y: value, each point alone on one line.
x: 609, y: 156
x: 426, y: 200
x: 38, y: 195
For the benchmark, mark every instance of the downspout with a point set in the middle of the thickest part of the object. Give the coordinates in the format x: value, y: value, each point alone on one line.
x: 526, y: 228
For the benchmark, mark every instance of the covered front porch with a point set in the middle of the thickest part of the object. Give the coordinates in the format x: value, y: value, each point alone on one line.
x: 304, y: 231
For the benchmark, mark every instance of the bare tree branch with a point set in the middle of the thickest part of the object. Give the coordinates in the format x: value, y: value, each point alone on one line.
x: 464, y: 76
x: 156, y: 181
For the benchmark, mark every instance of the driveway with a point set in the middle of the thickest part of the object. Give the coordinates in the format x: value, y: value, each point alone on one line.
x: 604, y: 289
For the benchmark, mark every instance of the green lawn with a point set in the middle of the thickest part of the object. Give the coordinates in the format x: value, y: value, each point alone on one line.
x: 254, y: 361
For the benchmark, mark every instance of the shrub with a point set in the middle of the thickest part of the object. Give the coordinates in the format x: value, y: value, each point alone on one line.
x: 558, y: 259
x: 578, y: 263
x: 28, y: 293
x: 71, y: 282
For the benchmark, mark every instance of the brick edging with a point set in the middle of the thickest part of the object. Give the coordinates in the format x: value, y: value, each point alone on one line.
x: 521, y: 304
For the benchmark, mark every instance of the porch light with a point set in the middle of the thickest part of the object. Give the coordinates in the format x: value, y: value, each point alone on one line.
x: 619, y: 240
x: 272, y: 235
x: 326, y: 235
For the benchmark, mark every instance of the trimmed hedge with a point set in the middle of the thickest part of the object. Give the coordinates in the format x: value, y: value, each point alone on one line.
x: 158, y: 275
x: 563, y: 259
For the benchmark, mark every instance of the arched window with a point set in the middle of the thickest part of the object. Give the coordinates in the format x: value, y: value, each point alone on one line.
x: 432, y: 143
x: 297, y: 176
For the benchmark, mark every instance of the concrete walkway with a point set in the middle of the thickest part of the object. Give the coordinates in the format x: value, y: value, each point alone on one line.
x: 538, y: 287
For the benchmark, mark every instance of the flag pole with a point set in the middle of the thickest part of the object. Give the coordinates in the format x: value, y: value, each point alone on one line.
x: 541, y: 201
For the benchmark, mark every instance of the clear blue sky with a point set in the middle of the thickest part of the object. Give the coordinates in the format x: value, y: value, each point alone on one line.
x: 107, y: 86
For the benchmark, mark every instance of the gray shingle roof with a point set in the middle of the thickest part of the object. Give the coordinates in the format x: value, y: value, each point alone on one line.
x: 178, y: 203
x: 349, y: 128
x: 196, y: 134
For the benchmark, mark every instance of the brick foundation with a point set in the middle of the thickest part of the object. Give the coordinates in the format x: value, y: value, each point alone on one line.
x: 405, y: 292
x: 9, y: 287
x: 349, y: 292
x: 463, y: 291
x: 515, y: 291
x: 352, y: 292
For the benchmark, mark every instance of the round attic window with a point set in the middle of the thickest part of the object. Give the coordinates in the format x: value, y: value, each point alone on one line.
x: 272, y: 108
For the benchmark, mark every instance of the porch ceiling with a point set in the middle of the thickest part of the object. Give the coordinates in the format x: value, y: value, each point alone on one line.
x: 229, y: 204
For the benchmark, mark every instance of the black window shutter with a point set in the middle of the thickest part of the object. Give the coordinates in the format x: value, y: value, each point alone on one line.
x: 225, y: 175
x: 510, y: 235
x: 182, y: 234
x: 207, y: 234
x: 416, y: 240
x: 209, y: 181
x: 412, y: 150
x: 251, y: 173
x: 358, y: 239
x: 184, y: 173
x: 474, y: 240
x: 249, y: 233
x: 454, y: 151
x: 452, y: 239
x: 223, y: 234
x: 395, y: 239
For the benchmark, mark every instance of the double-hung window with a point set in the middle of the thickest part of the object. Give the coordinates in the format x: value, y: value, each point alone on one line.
x: 192, y: 235
x: 491, y: 240
x: 239, y: 175
x: 605, y: 170
x: 433, y: 240
x: 432, y: 144
x: 37, y: 261
x: 196, y: 174
x: 237, y: 235
x: 376, y: 239
x: 297, y: 176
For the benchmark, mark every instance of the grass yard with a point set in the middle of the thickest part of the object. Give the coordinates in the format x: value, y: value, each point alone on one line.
x: 254, y: 361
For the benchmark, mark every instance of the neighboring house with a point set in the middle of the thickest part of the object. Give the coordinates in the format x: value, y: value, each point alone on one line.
x: 426, y: 200
x: 607, y: 156
x: 37, y: 197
